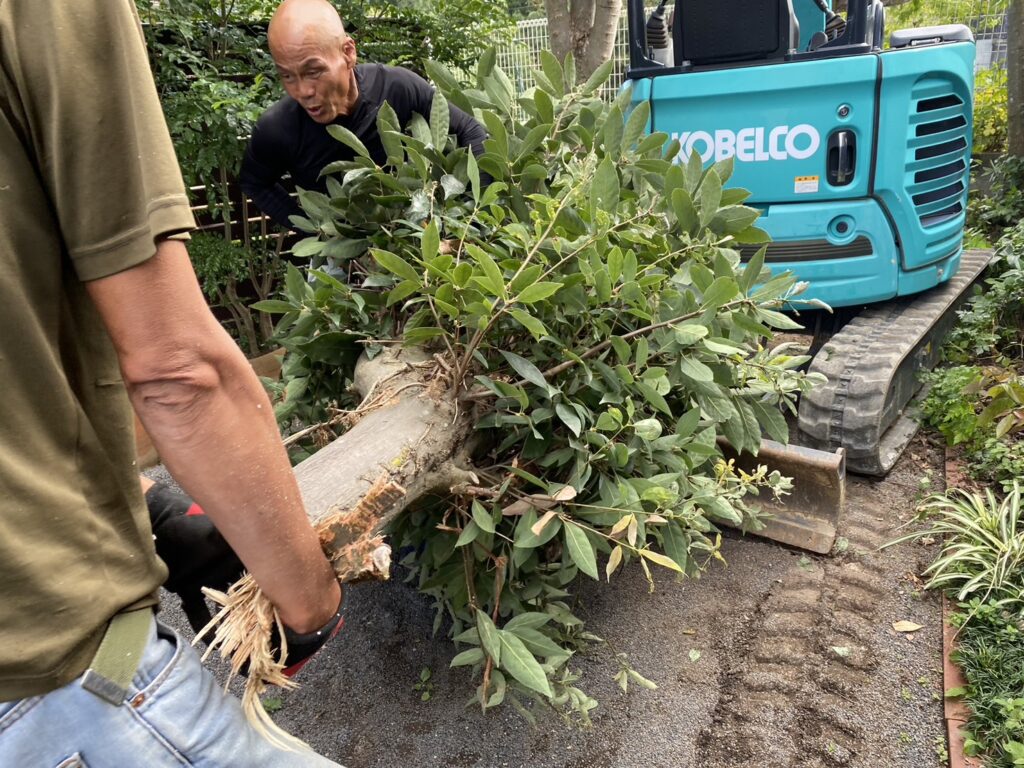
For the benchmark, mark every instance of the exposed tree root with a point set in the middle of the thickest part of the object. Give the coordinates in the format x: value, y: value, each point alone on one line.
x: 408, y: 441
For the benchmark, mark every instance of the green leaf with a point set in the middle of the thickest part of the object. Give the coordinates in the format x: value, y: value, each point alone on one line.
x: 274, y: 306
x: 469, y: 534
x: 581, y: 550
x: 521, y: 664
x: 486, y: 65
x: 498, y: 136
x: 752, y: 270
x: 612, y: 133
x: 651, y: 396
x: 482, y: 517
x: 604, y: 192
x: 526, y: 369
x: 468, y: 658
x: 693, y: 172
x: 686, y: 214
x: 538, y: 292
x: 473, y: 171
x: 723, y: 290
x: 598, y: 78
x: 530, y: 323
x: 492, y: 272
x: 570, y: 418
x: 695, y: 369
x: 439, y: 117
x: 349, y: 139
x: 689, y: 333
x: 648, y: 429
x: 636, y: 124
x: 710, y: 196
x: 430, y: 241
x: 734, y: 218
x: 772, y: 421
x: 552, y: 70
x: 489, y: 636
x: 529, y: 620
x: 403, y: 290
x: 396, y: 265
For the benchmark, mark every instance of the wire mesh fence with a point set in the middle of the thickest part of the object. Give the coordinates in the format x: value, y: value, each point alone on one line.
x: 987, y: 18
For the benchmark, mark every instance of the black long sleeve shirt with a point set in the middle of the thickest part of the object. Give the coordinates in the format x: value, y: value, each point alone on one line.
x: 287, y: 140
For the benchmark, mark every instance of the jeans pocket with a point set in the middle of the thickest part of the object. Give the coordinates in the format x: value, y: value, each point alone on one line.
x: 75, y: 761
x: 162, y: 653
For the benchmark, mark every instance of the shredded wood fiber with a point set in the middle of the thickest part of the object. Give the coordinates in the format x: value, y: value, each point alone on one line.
x: 243, y: 627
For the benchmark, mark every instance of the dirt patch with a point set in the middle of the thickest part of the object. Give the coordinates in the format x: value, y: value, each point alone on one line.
x: 799, y: 665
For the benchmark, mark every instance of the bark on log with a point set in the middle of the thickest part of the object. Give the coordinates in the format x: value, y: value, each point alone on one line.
x: 407, y: 444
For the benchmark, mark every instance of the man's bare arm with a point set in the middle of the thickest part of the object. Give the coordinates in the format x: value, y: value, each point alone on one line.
x: 214, y: 427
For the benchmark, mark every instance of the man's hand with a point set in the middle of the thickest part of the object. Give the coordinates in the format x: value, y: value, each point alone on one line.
x: 303, y: 646
x: 196, y: 554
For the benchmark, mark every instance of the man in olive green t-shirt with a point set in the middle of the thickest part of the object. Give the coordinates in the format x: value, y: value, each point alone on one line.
x: 99, y: 306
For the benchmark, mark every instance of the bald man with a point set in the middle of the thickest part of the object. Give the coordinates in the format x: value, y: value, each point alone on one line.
x: 316, y: 61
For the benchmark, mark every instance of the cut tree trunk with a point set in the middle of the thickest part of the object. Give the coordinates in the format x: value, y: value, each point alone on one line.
x: 409, y: 441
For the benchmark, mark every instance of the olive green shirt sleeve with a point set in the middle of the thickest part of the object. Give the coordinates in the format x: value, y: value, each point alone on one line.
x: 95, y: 124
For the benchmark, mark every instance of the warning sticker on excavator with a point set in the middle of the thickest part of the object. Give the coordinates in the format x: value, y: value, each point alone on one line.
x: 803, y: 185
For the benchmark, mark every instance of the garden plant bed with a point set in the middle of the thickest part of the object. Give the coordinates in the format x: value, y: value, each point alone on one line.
x: 779, y: 659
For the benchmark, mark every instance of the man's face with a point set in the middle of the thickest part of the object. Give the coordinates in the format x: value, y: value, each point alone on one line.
x: 319, y: 75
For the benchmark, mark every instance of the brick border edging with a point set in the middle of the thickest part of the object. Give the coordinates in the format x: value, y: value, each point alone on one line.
x: 955, y: 711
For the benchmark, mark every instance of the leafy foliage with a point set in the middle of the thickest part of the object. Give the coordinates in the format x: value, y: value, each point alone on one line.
x: 990, y: 110
x: 982, y: 545
x: 214, y: 77
x: 981, y: 406
x: 1003, y: 206
x: 584, y: 295
x: 990, y: 651
x: 234, y: 278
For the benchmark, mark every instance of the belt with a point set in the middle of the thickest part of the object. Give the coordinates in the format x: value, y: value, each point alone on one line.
x: 117, y: 659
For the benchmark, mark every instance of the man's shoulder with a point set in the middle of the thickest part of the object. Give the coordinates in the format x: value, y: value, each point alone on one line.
x: 282, y: 112
x: 383, y: 78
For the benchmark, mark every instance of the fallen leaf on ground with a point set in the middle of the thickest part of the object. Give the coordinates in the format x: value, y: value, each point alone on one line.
x: 694, y: 655
x: 905, y: 626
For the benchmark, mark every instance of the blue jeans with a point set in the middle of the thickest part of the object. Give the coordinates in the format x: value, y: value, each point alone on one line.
x: 175, y: 715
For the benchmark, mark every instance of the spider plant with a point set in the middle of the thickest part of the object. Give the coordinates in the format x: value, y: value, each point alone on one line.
x: 982, y: 545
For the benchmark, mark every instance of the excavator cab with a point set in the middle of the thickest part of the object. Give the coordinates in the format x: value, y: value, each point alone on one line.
x: 858, y: 158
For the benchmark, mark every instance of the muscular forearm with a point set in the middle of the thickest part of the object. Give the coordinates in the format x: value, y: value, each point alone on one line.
x: 213, y: 425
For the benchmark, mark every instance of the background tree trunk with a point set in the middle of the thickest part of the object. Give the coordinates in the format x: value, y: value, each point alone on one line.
x: 1015, y: 77
x: 585, y: 27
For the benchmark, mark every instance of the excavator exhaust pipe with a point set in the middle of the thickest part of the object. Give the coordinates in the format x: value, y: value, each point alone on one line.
x: 808, y: 518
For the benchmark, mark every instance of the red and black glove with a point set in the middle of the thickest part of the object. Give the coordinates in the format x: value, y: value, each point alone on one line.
x: 196, y: 554
x: 302, y: 647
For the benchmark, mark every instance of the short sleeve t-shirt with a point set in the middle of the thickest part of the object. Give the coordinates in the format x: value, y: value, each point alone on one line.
x: 88, y: 184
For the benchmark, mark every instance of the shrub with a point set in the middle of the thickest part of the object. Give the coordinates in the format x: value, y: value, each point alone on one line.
x: 234, y: 278
x: 990, y: 110
x: 1003, y: 206
x: 588, y: 303
x: 990, y: 651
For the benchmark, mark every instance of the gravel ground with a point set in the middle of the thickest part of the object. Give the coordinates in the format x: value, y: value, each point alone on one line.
x: 799, y: 666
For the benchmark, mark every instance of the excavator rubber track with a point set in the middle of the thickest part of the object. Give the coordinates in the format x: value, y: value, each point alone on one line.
x: 873, y: 367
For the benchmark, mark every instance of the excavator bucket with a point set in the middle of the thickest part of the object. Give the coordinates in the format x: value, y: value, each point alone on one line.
x: 808, y: 517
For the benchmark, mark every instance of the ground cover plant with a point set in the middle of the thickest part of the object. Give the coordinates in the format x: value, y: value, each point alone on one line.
x: 571, y: 314
x: 978, y: 402
x: 981, y: 567
x: 990, y: 652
